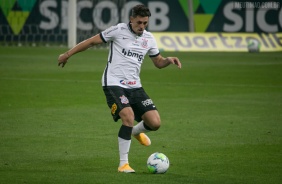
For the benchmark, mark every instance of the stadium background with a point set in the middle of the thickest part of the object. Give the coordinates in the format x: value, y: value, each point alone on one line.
x: 221, y: 113
x: 45, y: 22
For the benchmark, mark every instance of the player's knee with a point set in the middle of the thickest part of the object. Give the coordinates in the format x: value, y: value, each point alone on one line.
x: 155, y: 124
x: 152, y: 120
x: 127, y: 116
x: 155, y: 127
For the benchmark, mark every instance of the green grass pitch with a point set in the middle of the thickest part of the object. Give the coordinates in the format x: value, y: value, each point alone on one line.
x: 221, y: 119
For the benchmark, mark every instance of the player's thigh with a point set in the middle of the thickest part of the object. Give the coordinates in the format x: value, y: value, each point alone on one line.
x: 116, y: 100
x: 127, y: 116
x: 152, y: 119
x: 141, y: 103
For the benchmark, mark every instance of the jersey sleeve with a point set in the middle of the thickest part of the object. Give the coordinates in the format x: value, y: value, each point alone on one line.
x: 154, y: 50
x: 110, y: 34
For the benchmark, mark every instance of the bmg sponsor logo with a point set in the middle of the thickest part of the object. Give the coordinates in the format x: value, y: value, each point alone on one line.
x: 133, y: 54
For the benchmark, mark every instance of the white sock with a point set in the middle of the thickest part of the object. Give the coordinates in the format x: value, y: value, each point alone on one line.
x: 139, y: 128
x: 124, y: 146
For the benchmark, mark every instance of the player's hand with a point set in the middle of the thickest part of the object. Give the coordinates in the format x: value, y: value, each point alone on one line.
x: 175, y: 61
x: 63, y: 59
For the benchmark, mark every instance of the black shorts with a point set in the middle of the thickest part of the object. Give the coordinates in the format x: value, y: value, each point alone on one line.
x: 136, y: 98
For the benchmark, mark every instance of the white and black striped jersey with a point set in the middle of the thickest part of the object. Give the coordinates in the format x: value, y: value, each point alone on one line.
x: 126, y: 54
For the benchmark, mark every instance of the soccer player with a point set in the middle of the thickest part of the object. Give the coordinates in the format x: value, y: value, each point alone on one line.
x: 128, y: 45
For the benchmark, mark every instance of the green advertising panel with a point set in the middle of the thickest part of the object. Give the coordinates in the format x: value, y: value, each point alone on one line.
x: 235, y: 16
x: 203, y: 10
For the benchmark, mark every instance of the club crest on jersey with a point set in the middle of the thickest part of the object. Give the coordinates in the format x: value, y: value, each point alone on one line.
x: 144, y: 43
x: 123, y: 99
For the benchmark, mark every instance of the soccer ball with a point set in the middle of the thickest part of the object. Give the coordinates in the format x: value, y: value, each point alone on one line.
x: 157, y: 163
x: 253, y: 45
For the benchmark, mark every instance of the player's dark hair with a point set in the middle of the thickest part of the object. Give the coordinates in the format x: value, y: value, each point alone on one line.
x: 140, y: 10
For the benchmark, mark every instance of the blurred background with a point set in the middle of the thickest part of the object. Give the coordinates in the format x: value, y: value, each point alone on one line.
x: 46, y: 22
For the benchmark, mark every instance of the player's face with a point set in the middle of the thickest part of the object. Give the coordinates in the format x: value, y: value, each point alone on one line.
x: 139, y: 24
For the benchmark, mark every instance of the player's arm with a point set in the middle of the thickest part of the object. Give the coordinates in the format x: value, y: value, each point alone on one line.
x: 161, y: 62
x: 63, y: 58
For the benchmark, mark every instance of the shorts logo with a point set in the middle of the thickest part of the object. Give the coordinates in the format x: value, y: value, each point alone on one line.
x: 123, y: 99
x: 114, y: 108
x: 147, y: 102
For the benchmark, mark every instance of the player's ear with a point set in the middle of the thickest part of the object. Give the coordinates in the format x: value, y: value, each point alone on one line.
x: 131, y: 18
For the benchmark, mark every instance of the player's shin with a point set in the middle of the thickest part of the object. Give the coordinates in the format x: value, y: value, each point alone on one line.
x: 124, y: 141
